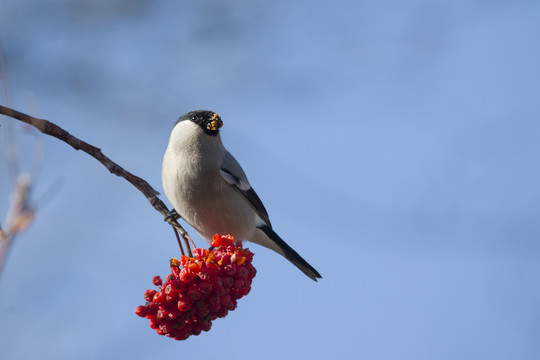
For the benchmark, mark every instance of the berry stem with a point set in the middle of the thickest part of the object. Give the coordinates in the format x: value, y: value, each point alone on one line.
x: 179, y: 242
x: 192, y: 244
x: 185, y: 243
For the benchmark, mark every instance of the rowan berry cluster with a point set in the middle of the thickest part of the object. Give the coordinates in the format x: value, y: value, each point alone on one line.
x: 199, y: 289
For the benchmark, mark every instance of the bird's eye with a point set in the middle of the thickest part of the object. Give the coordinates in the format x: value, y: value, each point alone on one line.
x: 193, y: 118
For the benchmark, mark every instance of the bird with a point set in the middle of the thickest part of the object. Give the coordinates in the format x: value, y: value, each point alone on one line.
x: 208, y: 188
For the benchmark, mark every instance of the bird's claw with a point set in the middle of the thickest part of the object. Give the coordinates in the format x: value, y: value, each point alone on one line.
x: 173, y: 216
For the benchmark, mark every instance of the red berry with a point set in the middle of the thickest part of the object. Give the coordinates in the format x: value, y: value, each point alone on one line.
x: 171, y: 291
x: 159, y: 297
x: 225, y: 260
x: 179, y: 324
x: 183, y: 335
x: 194, y: 293
x: 205, y: 287
x: 216, y: 281
x: 173, y: 313
x: 204, y: 275
x: 213, y: 300
x: 228, y: 281
x: 161, y: 314
x: 201, y: 305
x: 167, y: 327
x: 200, y: 253
x: 252, y: 270
x: 194, y: 267
x: 230, y: 269
x: 157, y: 280
x: 214, y: 308
x: 178, y: 285
x: 196, y: 329
x: 222, y: 312
x: 149, y: 294
x: 202, y: 312
x: 186, y: 276
x: 151, y: 308
x: 242, y: 272
x: 141, y: 311
x: 153, y: 323
x: 205, y: 323
x: 220, y: 291
x: 184, y: 305
x: 238, y: 283
x: 242, y: 292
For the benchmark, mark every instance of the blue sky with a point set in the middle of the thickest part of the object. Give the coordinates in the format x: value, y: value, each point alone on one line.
x: 394, y: 144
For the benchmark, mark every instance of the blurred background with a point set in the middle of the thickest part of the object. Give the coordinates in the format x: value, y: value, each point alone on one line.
x: 394, y: 144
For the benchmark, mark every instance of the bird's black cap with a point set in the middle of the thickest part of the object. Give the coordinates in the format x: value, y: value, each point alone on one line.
x: 209, y: 121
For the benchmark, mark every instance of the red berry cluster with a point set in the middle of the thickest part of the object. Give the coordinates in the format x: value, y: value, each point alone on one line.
x: 205, y: 287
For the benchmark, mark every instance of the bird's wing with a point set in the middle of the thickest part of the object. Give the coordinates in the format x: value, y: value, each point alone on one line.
x: 232, y: 173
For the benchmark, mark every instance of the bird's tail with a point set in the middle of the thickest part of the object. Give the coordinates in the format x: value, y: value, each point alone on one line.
x: 288, y: 253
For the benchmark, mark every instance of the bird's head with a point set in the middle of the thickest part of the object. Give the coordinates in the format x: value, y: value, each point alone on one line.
x: 209, y: 121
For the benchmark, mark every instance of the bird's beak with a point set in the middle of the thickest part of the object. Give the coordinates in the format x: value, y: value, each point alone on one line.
x: 215, y: 124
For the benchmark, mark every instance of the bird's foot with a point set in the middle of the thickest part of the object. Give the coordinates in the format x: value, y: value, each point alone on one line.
x: 173, y: 216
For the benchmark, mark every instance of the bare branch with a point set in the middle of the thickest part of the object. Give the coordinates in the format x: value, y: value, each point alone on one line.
x: 54, y: 130
x: 3, y: 234
x: 19, y: 216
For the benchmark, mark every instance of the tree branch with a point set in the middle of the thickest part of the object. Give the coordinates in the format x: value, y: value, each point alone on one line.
x: 149, y: 192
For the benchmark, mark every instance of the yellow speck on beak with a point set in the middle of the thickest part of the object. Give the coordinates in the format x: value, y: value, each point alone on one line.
x: 215, y: 124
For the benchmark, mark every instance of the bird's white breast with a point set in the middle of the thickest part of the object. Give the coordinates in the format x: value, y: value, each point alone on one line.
x: 195, y: 188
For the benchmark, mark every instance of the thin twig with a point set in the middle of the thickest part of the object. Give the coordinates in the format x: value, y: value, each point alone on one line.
x: 19, y: 216
x: 180, y: 244
x: 56, y: 131
x: 4, y: 247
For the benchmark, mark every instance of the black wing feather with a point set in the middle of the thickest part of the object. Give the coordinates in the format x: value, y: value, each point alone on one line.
x: 251, y: 196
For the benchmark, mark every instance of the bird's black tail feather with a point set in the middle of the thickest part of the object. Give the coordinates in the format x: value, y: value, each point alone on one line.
x: 291, y: 255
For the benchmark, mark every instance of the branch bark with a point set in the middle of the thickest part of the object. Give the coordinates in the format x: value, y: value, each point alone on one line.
x: 148, y: 191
